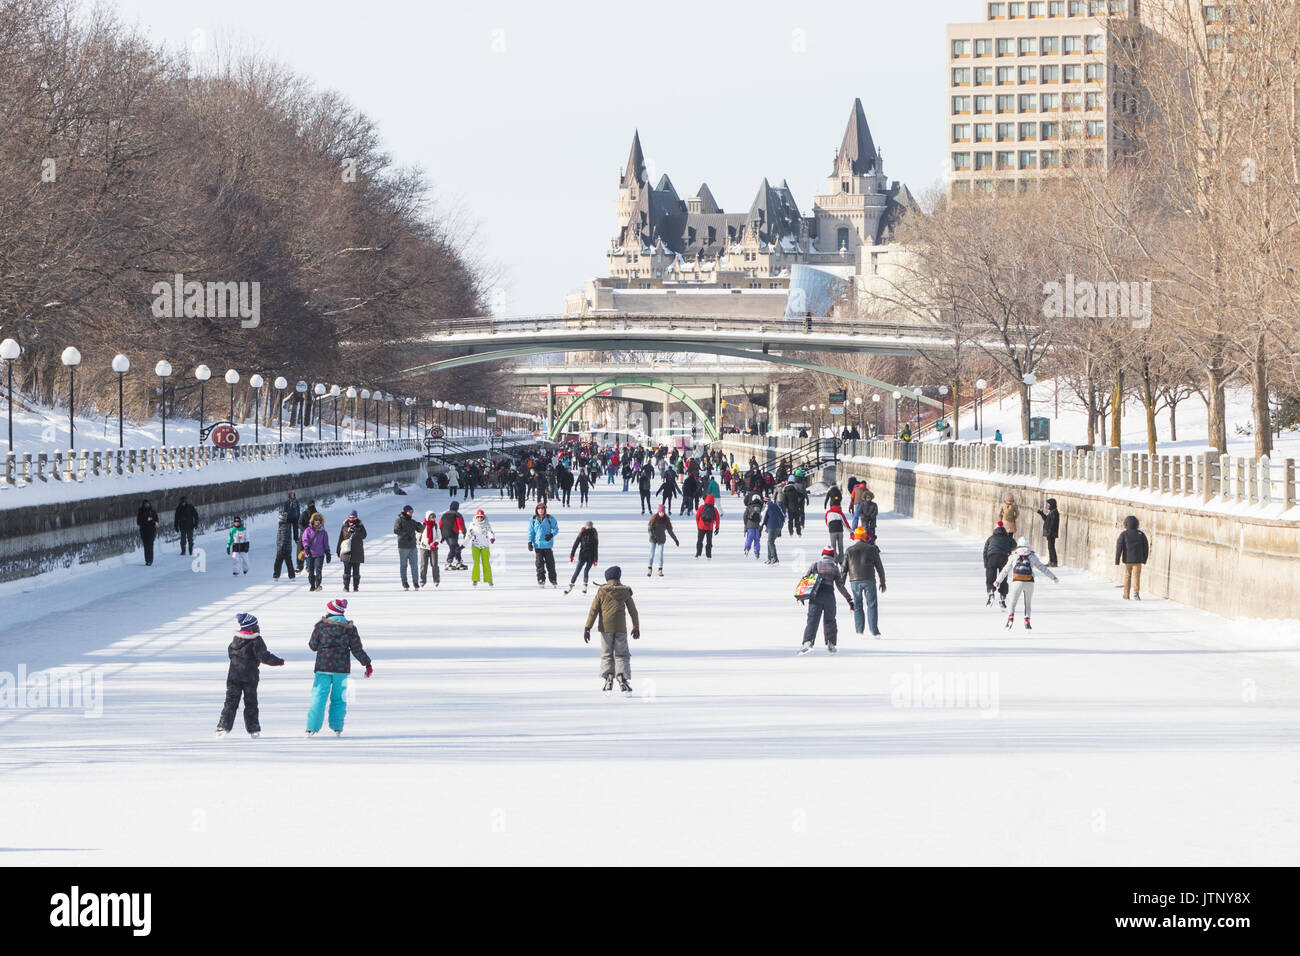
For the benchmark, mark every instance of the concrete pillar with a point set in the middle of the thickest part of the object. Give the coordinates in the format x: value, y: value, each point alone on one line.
x: 550, y: 406
x: 773, y: 397
x: 717, y: 406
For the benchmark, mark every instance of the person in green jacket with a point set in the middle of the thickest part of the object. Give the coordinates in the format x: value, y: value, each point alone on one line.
x: 612, y: 600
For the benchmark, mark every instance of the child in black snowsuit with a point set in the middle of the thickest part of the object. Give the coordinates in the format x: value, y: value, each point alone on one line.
x: 246, y: 652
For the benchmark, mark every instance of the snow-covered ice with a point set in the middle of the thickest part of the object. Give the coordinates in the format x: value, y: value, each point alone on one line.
x: 1115, y: 732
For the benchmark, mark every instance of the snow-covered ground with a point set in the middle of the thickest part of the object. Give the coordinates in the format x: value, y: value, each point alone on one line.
x: 1114, y: 732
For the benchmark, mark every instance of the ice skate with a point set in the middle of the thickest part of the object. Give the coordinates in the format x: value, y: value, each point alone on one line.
x: 830, y: 649
x: 338, y: 733
x: 311, y: 733
x: 568, y: 589
x: 805, y: 647
x: 254, y: 733
x: 1011, y: 619
x: 1027, y: 625
x: 221, y: 732
x: 661, y: 572
x: 623, y: 685
x: 609, y: 685
x: 649, y: 571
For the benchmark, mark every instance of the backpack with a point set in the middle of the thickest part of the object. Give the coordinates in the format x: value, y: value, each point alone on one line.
x: 754, y: 513
x: 708, y: 513
x: 1023, y: 569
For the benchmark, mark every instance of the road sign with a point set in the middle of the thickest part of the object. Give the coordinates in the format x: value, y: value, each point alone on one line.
x: 496, y: 432
x: 835, y: 402
x: 1040, y: 429
x: 435, y: 431
x: 491, y: 415
x: 225, y: 436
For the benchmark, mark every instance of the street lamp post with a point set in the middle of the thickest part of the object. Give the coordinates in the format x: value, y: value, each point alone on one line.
x: 256, y: 382
x: 281, y: 383
x: 319, y: 392
x: 202, y: 373
x: 898, y: 396
x: 351, y: 393
x: 410, y: 404
x: 301, y: 389
x: 1030, y: 380
x: 943, y: 402
x: 875, y: 400
x: 365, y: 414
x: 980, y: 385
x: 335, y: 391
x: 121, y: 365
x: 9, y: 351
x: 232, y: 379
x: 916, y: 431
x: 71, y: 358
x: 857, y: 405
x: 163, y: 370
x: 388, y: 414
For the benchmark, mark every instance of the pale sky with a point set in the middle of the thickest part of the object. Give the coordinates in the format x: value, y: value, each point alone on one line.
x: 522, y: 113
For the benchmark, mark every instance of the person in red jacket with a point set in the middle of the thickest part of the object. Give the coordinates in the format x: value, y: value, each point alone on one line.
x: 708, y: 522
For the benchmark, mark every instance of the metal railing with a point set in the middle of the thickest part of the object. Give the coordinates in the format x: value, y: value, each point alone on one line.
x: 542, y: 323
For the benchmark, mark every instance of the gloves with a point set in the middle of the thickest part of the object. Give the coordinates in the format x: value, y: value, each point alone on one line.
x: 636, y: 633
x: 492, y: 540
x: 570, y: 559
x: 369, y: 670
x: 328, y: 559
x: 851, y: 606
x: 530, y: 546
x: 882, y: 587
x: 227, y: 550
x: 586, y: 635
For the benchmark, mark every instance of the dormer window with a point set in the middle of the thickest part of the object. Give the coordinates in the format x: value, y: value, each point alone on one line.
x: 844, y: 185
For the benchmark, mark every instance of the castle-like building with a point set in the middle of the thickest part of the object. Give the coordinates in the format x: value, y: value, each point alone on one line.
x: 666, y: 244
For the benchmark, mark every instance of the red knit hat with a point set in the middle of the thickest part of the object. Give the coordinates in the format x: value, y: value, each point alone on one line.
x: 337, y: 606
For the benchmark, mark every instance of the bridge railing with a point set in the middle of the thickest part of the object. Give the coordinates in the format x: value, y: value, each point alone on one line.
x: 1205, y: 477
x: 599, y: 321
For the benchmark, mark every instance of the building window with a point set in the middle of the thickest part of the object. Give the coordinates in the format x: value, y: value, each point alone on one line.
x: 1006, y: 132
x: 1006, y: 75
x: 1006, y: 103
x: 961, y: 76
x: 1096, y: 129
x: 960, y: 48
x: 961, y: 186
x: 1028, y: 159
x: 1004, y: 46
x: 1049, y: 102
x: 1049, y: 131
x: 997, y: 11
x: 1028, y: 45
x: 1016, y: 10
x: 1006, y: 159
x: 983, y: 161
x: 983, y: 75
x: 1096, y: 73
x: 983, y: 132
x: 984, y: 104
x: 1073, y: 102
x: 1056, y: 8
x: 1076, y: 8
x: 841, y: 239
x: 961, y: 160
x: 1028, y: 102
x: 1096, y: 8
x: 1073, y: 73
x: 1036, y: 8
x: 1095, y: 43
x: 960, y: 104
x: 1049, y: 158
x: 1050, y: 46
x: 1072, y: 44
x: 1029, y: 74
x: 1050, y: 74
x: 1028, y: 131
x: 984, y: 47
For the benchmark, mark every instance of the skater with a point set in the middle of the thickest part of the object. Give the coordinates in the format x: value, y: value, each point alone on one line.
x: 1008, y: 513
x: 835, y: 523
x: 286, y: 531
x: 451, y: 526
x: 304, y: 522
x: 584, y: 486
x: 668, y: 489
x: 794, y: 497
x: 834, y: 496
x: 292, y: 508
x: 861, y: 566
x: 644, y: 482
x: 821, y: 601
x: 865, y: 509
x: 609, y: 609
x: 542, y: 530
x: 1020, y: 569
x: 185, y: 521
x: 708, y: 522
x: 315, y: 550
x: 1051, y: 529
x: 335, y: 641
x: 997, y: 548
x: 237, y: 547
x: 427, y: 542
x: 690, y: 491
x: 661, y: 529
x: 147, y: 520
x: 1132, y: 549
x: 352, y: 550
x: 521, y: 490
x: 586, y: 546
x: 481, y: 538
x: 246, y: 652
x: 773, y: 522
x: 453, y: 480
x: 407, y: 530
x: 753, y: 522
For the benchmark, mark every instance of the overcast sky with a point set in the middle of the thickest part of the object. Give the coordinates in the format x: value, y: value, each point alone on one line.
x: 522, y: 113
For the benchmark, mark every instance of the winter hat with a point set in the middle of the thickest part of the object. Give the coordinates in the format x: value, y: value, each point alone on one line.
x: 589, y: 524
x: 480, y: 513
x: 613, y: 573
x: 828, y: 551
x: 999, y: 524
x: 661, y: 510
x: 1023, y: 542
x: 428, y: 516
x: 353, y: 513
x: 238, y: 520
x: 246, y: 621
x: 455, y: 506
x: 337, y: 606
x: 407, y: 510
x: 859, y: 534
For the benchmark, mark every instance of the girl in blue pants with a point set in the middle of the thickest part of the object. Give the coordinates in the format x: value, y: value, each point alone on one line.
x: 335, y: 641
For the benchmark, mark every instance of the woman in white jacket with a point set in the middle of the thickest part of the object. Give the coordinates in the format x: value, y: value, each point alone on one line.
x: 481, y: 538
x: 453, y: 480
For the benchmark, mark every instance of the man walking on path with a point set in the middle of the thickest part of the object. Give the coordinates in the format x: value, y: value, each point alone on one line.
x: 185, y: 521
x: 861, y: 566
x: 1132, y: 549
x: 821, y: 601
x: 408, y: 530
x: 609, y: 610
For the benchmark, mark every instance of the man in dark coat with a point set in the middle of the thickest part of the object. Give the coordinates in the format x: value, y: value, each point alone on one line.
x: 997, y: 549
x: 1132, y: 549
x: 408, y: 530
x: 793, y: 499
x: 185, y: 522
x: 451, y: 526
x: 352, y: 550
x: 821, y: 601
x: 147, y: 521
x: 286, y: 541
x: 644, y: 482
x: 862, y: 565
x: 1051, y: 529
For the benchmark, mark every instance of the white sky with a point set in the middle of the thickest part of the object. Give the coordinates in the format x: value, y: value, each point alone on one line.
x: 522, y: 113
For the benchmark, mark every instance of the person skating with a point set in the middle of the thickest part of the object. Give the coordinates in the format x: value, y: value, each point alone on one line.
x: 286, y: 536
x: 820, y: 599
x: 451, y: 526
x: 146, y: 520
x: 609, y: 610
x: 1009, y: 513
x: 292, y: 508
x: 427, y: 543
x: 661, y: 529
x: 586, y: 547
x: 584, y: 486
x: 408, y: 530
x: 1132, y: 550
x: 865, y: 510
x: 246, y: 652
x: 335, y: 641
x: 997, y: 548
x: 861, y: 566
x: 1020, y: 569
x: 315, y: 543
x: 542, y: 530
x: 453, y: 480
x: 834, y: 496
x: 794, y: 498
x: 835, y: 526
x: 753, y: 523
x: 644, y: 482
x: 690, y: 492
x: 185, y: 521
x: 1051, y: 529
x: 708, y: 522
x: 351, y: 550
x: 481, y: 537
x: 521, y: 490
x: 237, y: 543
x: 304, y: 522
x: 668, y: 489
x: 774, y: 518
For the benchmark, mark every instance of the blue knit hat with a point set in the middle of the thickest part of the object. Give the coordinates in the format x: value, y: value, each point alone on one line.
x: 613, y: 573
x: 246, y: 621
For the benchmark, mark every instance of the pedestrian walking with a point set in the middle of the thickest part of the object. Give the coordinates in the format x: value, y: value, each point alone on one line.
x: 862, y: 565
x: 146, y: 520
x: 1132, y: 549
x: 315, y: 542
x: 481, y: 537
x: 820, y: 598
x: 246, y: 652
x: 352, y: 550
x: 408, y: 530
x: 336, y: 641
x: 237, y: 543
x: 586, y: 548
x: 286, y: 537
x: 609, y: 611
x: 427, y: 542
x: 185, y: 521
x: 1020, y: 569
x: 542, y: 530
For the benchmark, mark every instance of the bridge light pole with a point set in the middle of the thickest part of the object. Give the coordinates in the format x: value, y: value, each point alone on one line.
x: 319, y: 392
x: 857, y: 404
x: 875, y: 400
x: 163, y: 370
x: 898, y: 396
x: 335, y: 391
x: 980, y: 385
x: 301, y: 389
x: 255, y: 383
x: 121, y: 365
x: 281, y: 383
x: 1030, y: 380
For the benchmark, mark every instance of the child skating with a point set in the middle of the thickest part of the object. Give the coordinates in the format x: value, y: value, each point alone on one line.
x: 481, y: 538
x: 246, y: 652
x: 609, y: 610
x: 237, y: 547
x: 335, y: 641
x: 1020, y: 567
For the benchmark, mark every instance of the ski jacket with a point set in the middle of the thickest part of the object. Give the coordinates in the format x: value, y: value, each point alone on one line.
x: 834, y: 496
x: 428, y: 537
x: 480, y: 533
x: 586, y: 545
x: 541, y: 534
x: 451, y: 525
x: 285, y: 533
x: 187, y: 517
x: 315, y: 543
x: 147, y: 518
x: 794, y: 498
x: 354, y: 532
x: 246, y: 652
x: 608, y: 606
x: 661, y: 528
x: 828, y: 575
x: 645, y: 480
x: 713, y: 488
x: 336, y: 642
x: 1132, y: 546
x: 1021, y: 567
x: 998, y: 546
x: 707, y: 516
x: 774, y: 517
x: 835, y: 520
x: 407, y: 529
x: 869, y: 511
x: 862, y: 562
x: 237, y: 539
